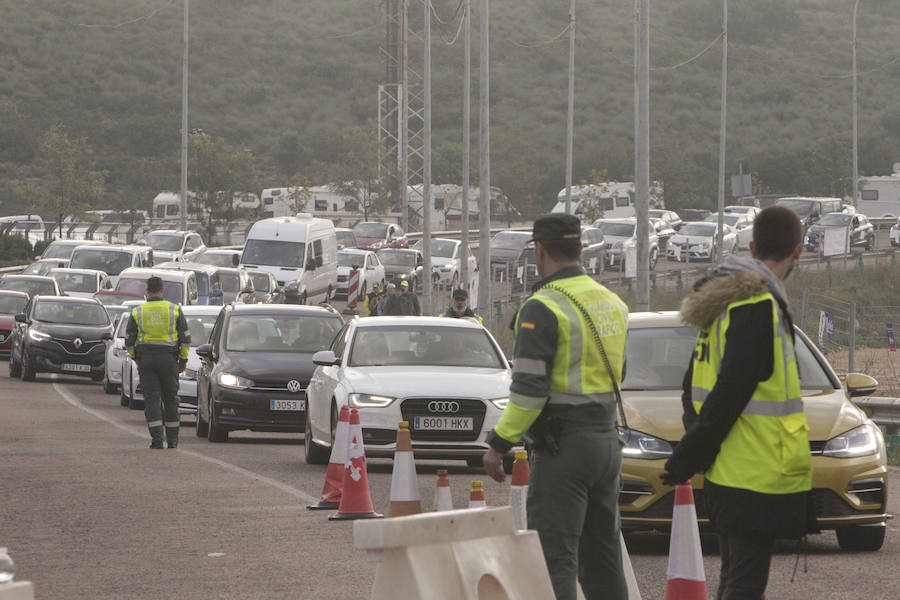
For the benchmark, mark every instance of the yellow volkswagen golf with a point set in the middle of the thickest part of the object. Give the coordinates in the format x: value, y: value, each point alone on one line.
x: 849, y: 460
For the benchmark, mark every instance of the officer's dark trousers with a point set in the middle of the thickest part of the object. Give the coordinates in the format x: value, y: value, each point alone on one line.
x: 573, y: 505
x: 745, y: 567
x: 158, y: 369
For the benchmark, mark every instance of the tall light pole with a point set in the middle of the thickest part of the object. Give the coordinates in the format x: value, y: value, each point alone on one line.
x: 426, y: 167
x: 721, y: 196
x: 467, y: 116
x: 855, y: 134
x: 404, y: 118
x: 642, y: 168
x: 484, y: 159
x: 570, y: 124
x: 184, y: 121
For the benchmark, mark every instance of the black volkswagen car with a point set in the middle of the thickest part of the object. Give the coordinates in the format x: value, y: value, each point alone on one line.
x: 257, y: 366
x: 402, y: 264
x: 59, y: 334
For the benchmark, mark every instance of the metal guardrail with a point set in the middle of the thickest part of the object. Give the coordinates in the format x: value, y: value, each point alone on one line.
x: 883, y: 411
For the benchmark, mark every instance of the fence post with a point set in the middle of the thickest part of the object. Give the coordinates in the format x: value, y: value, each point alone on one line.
x: 852, y: 342
x: 804, y: 306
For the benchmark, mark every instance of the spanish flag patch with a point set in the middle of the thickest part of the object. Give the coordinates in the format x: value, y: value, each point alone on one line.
x: 526, y: 325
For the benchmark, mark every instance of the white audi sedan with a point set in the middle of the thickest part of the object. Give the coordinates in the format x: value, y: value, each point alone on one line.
x: 448, y: 378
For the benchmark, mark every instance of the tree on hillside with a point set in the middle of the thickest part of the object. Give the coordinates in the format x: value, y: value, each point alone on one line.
x: 70, y: 181
x: 216, y: 173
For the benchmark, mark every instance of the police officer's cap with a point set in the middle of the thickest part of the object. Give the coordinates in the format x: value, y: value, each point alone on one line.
x: 460, y: 294
x: 556, y: 227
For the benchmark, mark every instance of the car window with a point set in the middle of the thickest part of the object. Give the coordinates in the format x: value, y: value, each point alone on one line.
x: 11, y: 305
x: 111, y: 262
x: 71, y: 313
x: 76, y: 282
x: 423, y: 346
x: 340, y: 340
x: 280, y: 333
x: 657, y: 357
x: 200, y: 327
x: 260, y: 282
x: 29, y: 286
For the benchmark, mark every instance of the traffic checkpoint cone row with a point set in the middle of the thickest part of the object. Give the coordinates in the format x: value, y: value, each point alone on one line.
x: 476, y: 497
x: 334, y: 476
x: 356, y: 501
x: 685, y: 576
x: 518, y: 490
x: 442, y: 498
x: 404, y: 485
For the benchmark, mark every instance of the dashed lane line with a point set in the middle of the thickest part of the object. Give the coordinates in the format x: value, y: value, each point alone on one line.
x: 296, y: 493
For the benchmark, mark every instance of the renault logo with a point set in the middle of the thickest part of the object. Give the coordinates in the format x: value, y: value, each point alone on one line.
x: 77, y: 343
x: 445, y: 406
x: 294, y: 386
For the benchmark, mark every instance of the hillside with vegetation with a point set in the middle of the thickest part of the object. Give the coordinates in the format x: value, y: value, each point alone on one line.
x: 288, y: 80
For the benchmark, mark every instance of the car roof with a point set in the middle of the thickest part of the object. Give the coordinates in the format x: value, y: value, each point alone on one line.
x: 354, y: 251
x: 385, y: 321
x: 78, y: 243
x: 619, y: 220
x: 199, y: 310
x: 79, y: 271
x: 14, y: 293
x: 29, y: 277
x: 280, y: 309
x: 164, y: 274
x: 665, y: 318
x: 120, y: 247
x: 169, y: 232
x: 222, y: 251
x: 185, y: 266
x: 69, y: 299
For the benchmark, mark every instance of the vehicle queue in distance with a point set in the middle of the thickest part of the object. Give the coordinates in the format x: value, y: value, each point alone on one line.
x: 270, y: 354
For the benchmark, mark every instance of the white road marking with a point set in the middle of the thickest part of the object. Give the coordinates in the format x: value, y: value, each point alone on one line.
x: 142, y: 433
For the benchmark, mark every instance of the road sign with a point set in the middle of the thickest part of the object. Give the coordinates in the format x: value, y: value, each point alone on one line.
x: 741, y: 185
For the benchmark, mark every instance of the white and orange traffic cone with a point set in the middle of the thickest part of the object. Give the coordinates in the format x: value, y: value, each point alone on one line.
x: 442, y: 498
x: 686, y: 578
x: 518, y: 491
x: 356, y: 501
x: 404, y: 485
x: 476, y: 498
x: 334, y: 476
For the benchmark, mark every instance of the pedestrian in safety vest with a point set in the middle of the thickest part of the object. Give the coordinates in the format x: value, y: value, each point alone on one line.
x: 743, y: 413
x: 373, y: 299
x: 564, y: 395
x: 158, y: 339
x: 459, y: 307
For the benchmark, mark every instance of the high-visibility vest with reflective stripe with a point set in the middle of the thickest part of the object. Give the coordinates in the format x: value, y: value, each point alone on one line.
x: 579, y: 376
x: 767, y: 449
x: 447, y: 315
x: 157, y: 323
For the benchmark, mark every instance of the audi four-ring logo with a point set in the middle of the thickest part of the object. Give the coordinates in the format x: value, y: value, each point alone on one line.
x: 445, y: 406
x: 293, y: 386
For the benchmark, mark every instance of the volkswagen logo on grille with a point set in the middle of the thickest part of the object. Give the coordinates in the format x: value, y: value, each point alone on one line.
x: 294, y: 386
x: 77, y: 343
x: 445, y: 406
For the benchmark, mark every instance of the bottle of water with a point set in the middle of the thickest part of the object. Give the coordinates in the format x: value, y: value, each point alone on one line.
x: 7, y: 568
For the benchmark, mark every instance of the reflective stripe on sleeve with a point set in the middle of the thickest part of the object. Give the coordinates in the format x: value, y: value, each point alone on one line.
x: 171, y: 424
x: 140, y: 323
x: 530, y: 366
x: 561, y: 399
x: 762, y: 408
x: 528, y: 402
x: 155, y: 423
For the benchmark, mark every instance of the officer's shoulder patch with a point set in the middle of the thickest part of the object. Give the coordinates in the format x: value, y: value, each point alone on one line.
x: 526, y: 325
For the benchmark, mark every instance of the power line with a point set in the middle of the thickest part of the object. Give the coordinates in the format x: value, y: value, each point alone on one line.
x: 453, y: 18
x: 128, y: 22
x: 692, y: 59
x: 455, y: 36
x: 555, y: 38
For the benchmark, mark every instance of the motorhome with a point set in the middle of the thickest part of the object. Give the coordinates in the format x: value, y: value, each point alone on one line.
x: 609, y: 200
x: 880, y: 196
x: 167, y: 205
x: 301, y: 252
x: 319, y: 200
x: 446, y: 205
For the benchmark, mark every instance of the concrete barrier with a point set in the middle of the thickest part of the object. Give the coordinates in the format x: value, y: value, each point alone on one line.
x: 455, y: 555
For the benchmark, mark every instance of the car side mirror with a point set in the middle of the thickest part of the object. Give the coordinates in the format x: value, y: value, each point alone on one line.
x: 859, y: 384
x: 106, y: 337
x: 20, y: 318
x: 311, y: 264
x: 205, y: 350
x: 325, y: 358
x: 235, y: 260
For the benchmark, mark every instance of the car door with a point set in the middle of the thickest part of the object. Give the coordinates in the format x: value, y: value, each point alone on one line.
x: 376, y: 272
x: 323, y: 383
x: 207, y: 366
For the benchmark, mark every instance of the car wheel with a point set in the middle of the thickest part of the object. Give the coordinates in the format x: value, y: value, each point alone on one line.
x: 202, y: 426
x: 302, y: 301
x: 28, y: 371
x: 329, y: 295
x: 861, y: 538
x: 100, y: 377
x: 134, y: 403
x: 215, y: 433
x: 870, y: 243
x: 108, y: 388
x: 361, y: 295
x: 654, y: 256
x: 123, y: 399
x: 314, y: 453
x: 15, y: 369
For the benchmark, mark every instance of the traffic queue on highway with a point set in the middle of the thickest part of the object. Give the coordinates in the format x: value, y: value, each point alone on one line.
x: 269, y: 353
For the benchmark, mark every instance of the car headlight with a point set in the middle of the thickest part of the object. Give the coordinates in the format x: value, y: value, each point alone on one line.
x: 446, y: 268
x: 368, y: 401
x: 643, y: 446
x: 500, y: 402
x: 859, y: 441
x: 38, y: 336
x: 377, y: 245
x: 230, y: 380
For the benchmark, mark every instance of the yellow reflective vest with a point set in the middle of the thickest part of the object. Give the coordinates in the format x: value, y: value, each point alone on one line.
x: 157, y: 322
x: 767, y: 449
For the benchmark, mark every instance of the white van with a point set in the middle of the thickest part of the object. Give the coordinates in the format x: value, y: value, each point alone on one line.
x: 179, y: 287
x: 609, y: 200
x: 111, y: 259
x: 301, y: 252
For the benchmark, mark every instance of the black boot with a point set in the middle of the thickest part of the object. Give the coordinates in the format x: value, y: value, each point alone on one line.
x: 156, y: 445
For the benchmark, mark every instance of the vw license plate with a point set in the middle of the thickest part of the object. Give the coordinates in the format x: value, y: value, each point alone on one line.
x: 443, y: 423
x: 287, y: 404
x: 76, y: 368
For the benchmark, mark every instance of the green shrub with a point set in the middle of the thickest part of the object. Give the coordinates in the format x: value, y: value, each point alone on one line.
x: 14, y: 250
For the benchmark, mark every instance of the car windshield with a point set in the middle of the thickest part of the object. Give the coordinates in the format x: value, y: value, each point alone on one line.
x: 110, y: 298
x: 370, y: 230
x: 700, y: 229
x: 726, y: 218
x: 616, y: 229
x: 801, y: 207
x: 229, y: 281
x: 260, y: 282
x: 398, y: 258
x: 692, y: 214
x: 272, y: 253
x: 71, y: 313
x: 39, y: 268
x: 216, y: 259
x: 350, y: 259
x: 280, y: 333
x: 345, y: 239
x: 443, y: 248
x: 75, y: 282
x: 510, y: 240
x: 200, y: 326
x: 10, y: 305
x: 29, y: 286
x: 836, y: 219
x: 111, y: 262
x: 173, y: 291
x: 167, y: 242
x: 55, y: 250
x: 424, y: 346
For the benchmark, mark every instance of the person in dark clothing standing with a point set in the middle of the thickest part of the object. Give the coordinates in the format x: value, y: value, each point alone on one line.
x: 743, y: 412
x: 409, y: 302
x: 391, y: 303
x: 459, y: 307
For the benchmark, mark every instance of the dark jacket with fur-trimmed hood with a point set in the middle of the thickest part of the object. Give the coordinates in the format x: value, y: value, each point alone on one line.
x: 748, y: 358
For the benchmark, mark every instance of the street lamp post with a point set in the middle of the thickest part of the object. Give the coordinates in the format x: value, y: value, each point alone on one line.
x: 184, y: 121
x: 855, y: 136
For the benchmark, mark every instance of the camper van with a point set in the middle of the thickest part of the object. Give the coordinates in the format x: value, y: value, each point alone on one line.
x: 167, y: 205
x: 880, y: 196
x: 301, y: 252
x: 610, y: 200
x: 318, y: 200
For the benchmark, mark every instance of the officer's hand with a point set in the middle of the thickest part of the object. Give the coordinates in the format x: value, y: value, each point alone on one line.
x: 182, y: 365
x: 493, y: 464
x: 671, y: 479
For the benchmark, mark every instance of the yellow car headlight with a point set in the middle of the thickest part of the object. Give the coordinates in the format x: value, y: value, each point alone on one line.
x: 859, y: 441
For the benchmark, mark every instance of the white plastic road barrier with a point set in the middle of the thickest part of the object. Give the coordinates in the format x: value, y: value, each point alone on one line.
x: 459, y: 555
x: 404, y: 484
x: 17, y: 590
x: 686, y: 578
x: 442, y: 498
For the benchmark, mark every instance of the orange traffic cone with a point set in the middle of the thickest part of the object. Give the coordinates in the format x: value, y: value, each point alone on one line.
x: 686, y: 579
x: 518, y: 491
x: 476, y: 498
x: 404, y: 485
x: 356, y: 501
x: 442, y: 498
x: 334, y: 476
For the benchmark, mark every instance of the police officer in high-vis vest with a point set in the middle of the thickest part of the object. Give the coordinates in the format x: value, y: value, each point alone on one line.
x: 743, y: 413
x: 562, y: 395
x: 157, y: 338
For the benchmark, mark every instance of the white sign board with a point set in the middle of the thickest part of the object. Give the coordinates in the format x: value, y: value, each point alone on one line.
x: 837, y: 241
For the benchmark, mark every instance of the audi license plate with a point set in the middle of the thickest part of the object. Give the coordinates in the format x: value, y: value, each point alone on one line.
x: 76, y: 368
x: 287, y: 404
x: 443, y: 424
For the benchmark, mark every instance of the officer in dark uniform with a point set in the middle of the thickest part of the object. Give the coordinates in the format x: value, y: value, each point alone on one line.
x: 563, y: 395
x: 158, y: 339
